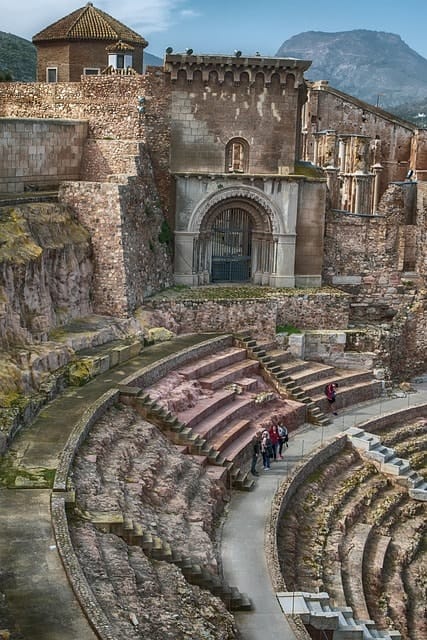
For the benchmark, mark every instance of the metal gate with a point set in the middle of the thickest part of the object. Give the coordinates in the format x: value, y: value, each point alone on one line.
x: 231, y: 246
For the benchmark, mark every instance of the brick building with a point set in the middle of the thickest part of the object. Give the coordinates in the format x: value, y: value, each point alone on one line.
x: 87, y: 42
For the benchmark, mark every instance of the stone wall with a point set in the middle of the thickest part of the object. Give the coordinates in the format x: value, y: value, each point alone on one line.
x: 260, y: 317
x: 125, y: 224
x: 328, y: 310
x: 218, y: 98
x: 123, y: 191
x: 38, y: 153
x: 109, y: 105
x: 392, y: 138
x: 368, y: 256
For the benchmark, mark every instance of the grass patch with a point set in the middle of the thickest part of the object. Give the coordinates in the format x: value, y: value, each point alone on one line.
x: 287, y: 328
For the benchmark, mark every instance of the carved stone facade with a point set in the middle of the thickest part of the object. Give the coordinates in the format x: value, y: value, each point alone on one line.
x: 361, y: 148
x: 241, y: 211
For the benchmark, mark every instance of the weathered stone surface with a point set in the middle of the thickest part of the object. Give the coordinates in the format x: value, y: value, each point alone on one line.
x: 126, y: 467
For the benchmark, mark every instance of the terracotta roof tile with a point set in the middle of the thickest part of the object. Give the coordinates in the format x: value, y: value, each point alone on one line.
x: 89, y: 23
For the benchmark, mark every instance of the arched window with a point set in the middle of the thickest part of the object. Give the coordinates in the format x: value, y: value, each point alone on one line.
x: 237, y: 156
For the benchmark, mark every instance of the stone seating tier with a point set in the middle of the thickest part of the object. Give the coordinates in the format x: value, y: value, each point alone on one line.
x: 213, y: 363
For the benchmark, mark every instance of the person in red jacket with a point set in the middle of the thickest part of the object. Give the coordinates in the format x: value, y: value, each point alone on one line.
x: 331, y: 394
x: 275, y: 438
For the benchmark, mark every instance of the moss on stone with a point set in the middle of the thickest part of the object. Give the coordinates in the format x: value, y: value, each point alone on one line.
x: 27, y: 230
x: 12, y: 476
x: 308, y: 170
x: 80, y: 372
x: 241, y: 292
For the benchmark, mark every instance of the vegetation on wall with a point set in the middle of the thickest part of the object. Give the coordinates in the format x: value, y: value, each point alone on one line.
x: 165, y: 234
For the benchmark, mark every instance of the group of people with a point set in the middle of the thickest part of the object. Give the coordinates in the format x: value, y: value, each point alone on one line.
x: 269, y: 444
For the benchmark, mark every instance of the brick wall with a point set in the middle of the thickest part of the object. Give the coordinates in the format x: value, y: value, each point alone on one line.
x: 71, y: 58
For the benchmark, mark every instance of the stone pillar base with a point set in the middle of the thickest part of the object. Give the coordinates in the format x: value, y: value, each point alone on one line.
x: 308, y: 281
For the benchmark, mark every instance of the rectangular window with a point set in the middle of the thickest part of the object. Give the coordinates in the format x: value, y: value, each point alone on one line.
x: 91, y: 71
x: 52, y: 74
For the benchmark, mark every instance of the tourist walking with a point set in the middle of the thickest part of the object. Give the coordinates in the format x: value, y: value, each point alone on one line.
x: 256, y: 450
x: 331, y: 395
x: 266, y: 449
x: 283, y: 439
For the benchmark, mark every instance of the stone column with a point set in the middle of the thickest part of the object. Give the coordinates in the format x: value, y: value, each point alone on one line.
x: 360, y: 182
x: 377, y: 169
x: 342, y: 155
x: 283, y: 271
x: 333, y: 185
x: 183, y: 268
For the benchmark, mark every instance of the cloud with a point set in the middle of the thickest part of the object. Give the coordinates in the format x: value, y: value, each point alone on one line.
x: 143, y: 16
x: 189, y: 13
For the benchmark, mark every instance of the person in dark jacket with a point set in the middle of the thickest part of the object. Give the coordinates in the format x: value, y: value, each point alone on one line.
x: 256, y: 450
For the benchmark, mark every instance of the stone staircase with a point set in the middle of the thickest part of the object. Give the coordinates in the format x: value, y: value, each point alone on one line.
x: 189, y: 441
x: 315, y: 609
x: 219, y: 403
x: 156, y: 548
x: 388, y: 461
x: 304, y: 381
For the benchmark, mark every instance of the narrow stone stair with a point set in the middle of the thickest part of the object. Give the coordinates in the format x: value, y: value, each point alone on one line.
x: 156, y: 548
x: 315, y: 609
x: 388, y: 461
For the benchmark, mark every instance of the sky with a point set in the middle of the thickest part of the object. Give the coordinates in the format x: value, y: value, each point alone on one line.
x: 224, y: 26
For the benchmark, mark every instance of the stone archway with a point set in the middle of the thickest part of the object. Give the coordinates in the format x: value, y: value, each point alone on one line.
x: 235, y: 234
x: 235, y: 242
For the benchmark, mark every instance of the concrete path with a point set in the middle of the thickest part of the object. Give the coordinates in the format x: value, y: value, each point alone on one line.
x: 39, y: 598
x: 242, y: 545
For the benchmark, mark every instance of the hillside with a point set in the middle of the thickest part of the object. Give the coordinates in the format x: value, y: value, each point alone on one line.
x: 18, y: 56
x: 374, y: 66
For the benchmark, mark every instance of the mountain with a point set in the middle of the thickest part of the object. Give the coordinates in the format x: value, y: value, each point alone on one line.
x: 374, y: 66
x: 18, y: 56
x: 151, y: 60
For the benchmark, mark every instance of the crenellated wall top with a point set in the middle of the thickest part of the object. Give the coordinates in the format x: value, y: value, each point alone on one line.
x: 177, y: 64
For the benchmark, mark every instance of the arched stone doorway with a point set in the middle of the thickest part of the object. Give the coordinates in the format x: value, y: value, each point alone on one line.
x: 231, y: 243
x: 234, y: 234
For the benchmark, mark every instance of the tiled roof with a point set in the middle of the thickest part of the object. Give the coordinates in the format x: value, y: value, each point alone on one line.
x: 89, y: 23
